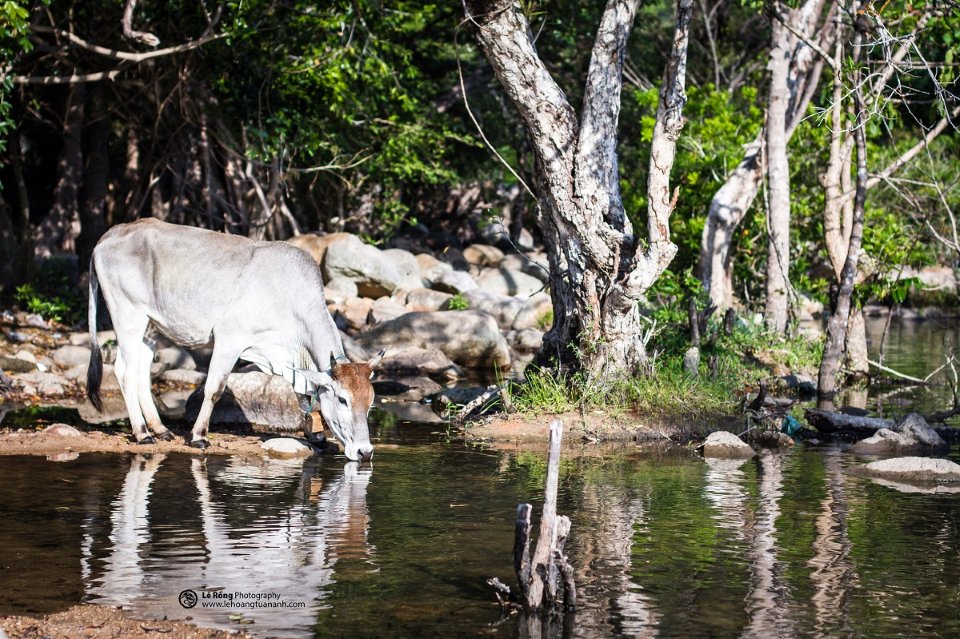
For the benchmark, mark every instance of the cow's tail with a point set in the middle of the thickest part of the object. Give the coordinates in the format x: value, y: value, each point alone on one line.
x: 95, y: 369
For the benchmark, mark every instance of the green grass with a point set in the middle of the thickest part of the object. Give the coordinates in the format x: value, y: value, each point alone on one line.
x: 740, y: 361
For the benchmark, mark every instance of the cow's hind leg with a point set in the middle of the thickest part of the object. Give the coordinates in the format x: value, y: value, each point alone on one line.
x: 130, y: 333
x: 146, y: 349
x: 221, y: 363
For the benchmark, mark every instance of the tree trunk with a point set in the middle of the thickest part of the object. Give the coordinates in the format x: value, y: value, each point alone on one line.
x: 776, y: 312
x: 57, y: 233
x: 837, y: 325
x: 598, y: 272
x: 731, y: 202
x: 727, y: 209
x: 95, y: 176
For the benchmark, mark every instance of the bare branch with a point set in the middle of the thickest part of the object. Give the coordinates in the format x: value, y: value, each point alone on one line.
x: 126, y: 23
x: 129, y: 56
x: 73, y: 78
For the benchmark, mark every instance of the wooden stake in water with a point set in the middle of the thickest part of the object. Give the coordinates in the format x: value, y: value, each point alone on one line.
x: 540, y: 576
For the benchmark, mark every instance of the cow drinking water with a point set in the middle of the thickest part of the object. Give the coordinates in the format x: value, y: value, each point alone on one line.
x: 261, y: 302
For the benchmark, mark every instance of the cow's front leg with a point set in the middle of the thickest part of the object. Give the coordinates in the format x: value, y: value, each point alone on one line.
x: 219, y: 370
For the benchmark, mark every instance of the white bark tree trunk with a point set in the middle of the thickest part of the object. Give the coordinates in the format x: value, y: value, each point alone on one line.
x: 776, y: 311
x: 599, y: 269
x: 732, y: 201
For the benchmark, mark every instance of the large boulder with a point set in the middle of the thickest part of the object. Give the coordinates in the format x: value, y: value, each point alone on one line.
x: 482, y: 255
x: 431, y: 267
x: 316, y: 245
x: 374, y: 274
x: 407, y: 267
x: 425, y: 299
x: 69, y: 356
x: 254, y: 398
x: 503, y: 281
x: 533, y: 264
x: 725, y: 445
x: 913, y: 469
x: 469, y: 338
x: 420, y: 361
x: 510, y: 312
x: 454, y: 282
x: 912, y: 434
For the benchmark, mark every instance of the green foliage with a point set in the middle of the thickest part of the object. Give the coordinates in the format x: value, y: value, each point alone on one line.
x: 14, y: 41
x: 458, y: 303
x: 50, y: 308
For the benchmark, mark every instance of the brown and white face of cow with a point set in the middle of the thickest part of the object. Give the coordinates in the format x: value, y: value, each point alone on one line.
x: 344, y: 395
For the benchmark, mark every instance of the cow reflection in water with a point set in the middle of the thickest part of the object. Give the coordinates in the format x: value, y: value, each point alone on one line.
x: 156, y: 550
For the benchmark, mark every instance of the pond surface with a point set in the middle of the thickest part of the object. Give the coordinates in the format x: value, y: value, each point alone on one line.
x: 663, y: 544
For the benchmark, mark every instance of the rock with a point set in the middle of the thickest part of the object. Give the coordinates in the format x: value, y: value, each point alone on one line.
x: 39, y: 383
x: 316, y: 245
x: 69, y: 356
x: 469, y: 338
x: 482, y: 255
x: 913, y: 469
x: 113, y: 410
x: 803, y: 384
x: 180, y: 376
x: 431, y: 268
x: 454, y: 282
x: 83, y: 338
x: 175, y: 357
x: 420, y: 361
x: 16, y: 365
x: 509, y: 282
x: 407, y: 389
x: 412, y: 412
x: 386, y: 308
x: 937, y: 278
x: 108, y: 381
x: 287, y: 447
x: 916, y: 427
x: 510, y: 312
x: 407, y: 267
x: 26, y: 356
x: 528, y: 340
x: 62, y: 430
x: 374, y: 274
x: 425, y: 299
x: 254, y: 398
x: 533, y: 264
x: 809, y: 309
x: 173, y: 404
x: 727, y: 446
x: 356, y: 311
x: 340, y: 289
x: 883, y: 442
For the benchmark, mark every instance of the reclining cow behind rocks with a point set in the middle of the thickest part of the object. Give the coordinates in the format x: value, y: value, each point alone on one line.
x: 261, y: 302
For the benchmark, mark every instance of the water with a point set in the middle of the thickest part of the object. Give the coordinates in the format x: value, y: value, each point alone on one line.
x: 664, y: 545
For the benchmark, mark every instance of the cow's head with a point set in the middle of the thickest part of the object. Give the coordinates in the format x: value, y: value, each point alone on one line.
x: 344, y: 395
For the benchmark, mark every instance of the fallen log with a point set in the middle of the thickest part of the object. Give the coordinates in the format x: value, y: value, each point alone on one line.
x: 839, y: 424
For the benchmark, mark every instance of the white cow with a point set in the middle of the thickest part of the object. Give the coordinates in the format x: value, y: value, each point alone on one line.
x: 261, y: 302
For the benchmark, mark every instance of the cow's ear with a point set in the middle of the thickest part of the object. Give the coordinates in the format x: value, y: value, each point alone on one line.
x: 315, y: 379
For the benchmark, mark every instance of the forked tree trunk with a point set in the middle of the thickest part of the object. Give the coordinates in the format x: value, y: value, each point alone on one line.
x: 599, y: 269
x: 833, y: 350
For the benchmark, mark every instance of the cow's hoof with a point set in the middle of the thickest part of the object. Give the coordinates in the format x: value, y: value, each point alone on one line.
x: 146, y: 441
x: 166, y: 436
x: 202, y: 444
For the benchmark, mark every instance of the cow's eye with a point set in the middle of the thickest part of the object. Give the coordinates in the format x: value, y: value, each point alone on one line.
x: 342, y: 400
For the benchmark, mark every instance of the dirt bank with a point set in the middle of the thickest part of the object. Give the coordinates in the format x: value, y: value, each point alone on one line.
x: 105, y: 622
